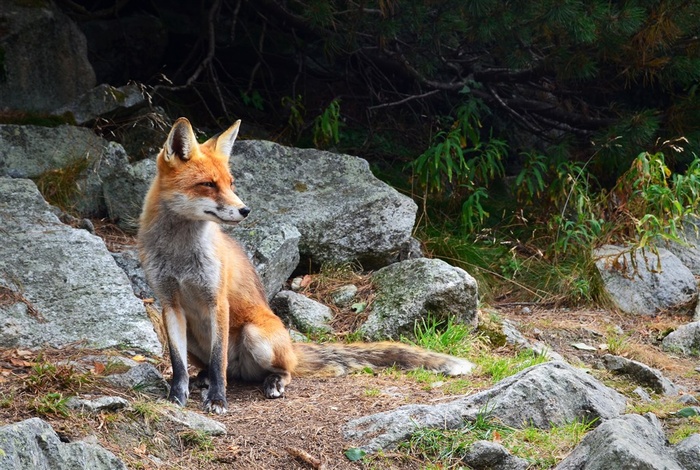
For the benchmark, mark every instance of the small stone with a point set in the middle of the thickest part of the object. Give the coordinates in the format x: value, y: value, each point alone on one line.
x: 641, y: 393
x: 98, y: 404
x: 688, y: 400
x: 296, y: 284
x: 343, y: 295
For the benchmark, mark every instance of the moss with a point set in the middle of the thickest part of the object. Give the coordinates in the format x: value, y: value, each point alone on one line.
x: 35, y: 119
x: 59, y: 187
x: 118, y: 95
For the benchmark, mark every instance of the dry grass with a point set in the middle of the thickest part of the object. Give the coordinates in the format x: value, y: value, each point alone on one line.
x: 322, y: 287
x: 115, y: 238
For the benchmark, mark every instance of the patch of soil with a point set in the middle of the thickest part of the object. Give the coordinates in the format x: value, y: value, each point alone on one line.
x: 262, y: 433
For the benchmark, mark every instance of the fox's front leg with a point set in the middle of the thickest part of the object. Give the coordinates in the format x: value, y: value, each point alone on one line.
x: 215, y: 397
x: 176, y: 326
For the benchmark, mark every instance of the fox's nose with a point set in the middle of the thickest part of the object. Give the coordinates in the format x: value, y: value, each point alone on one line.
x: 244, y: 211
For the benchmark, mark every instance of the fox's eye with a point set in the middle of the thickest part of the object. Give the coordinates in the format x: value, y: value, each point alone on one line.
x: 208, y: 184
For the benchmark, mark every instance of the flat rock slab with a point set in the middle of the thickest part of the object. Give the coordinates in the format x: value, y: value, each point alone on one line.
x: 97, y: 405
x: 61, y: 285
x: 544, y: 395
x: 194, y: 421
x: 641, y: 373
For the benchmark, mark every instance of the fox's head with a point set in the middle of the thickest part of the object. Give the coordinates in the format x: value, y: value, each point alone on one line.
x: 195, y: 180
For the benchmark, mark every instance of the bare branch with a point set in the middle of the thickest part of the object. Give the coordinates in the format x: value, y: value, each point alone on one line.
x: 206, y: 62
x: 405, y: 100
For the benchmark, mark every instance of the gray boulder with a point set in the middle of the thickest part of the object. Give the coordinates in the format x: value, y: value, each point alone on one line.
x: 342, y: 211
x: 63, y: 284
x: 103, y: 100
x: 688, y: 251
x: 647, y: 283
x: 303, y: 313
x: 684, y: 340
x: 687, y: 452
x: 33, y: 444
x: 544, y: 395
x: 44, y: 61
x: 128, y: 260
x: 631, y: 441
x: 409, y: 290
x: 31, y: 151
x: 194, y: 421
x: 641, y: 373
x: 124, y: 191
x: 273, y: 249
x: 487, y: 455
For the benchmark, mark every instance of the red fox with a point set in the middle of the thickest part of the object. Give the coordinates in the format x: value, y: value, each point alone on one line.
x: 214, y: 307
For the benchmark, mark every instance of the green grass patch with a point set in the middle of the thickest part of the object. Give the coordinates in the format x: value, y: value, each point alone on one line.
x: 45, y: 376
x: 445, y: 336
x: 500, y: 367
x: 542, y: 448
x: 447, y: 447
x: 199, y: 440
x: 51, y: 404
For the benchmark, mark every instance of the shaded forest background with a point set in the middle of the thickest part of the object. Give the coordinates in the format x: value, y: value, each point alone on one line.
x: 528, y: 132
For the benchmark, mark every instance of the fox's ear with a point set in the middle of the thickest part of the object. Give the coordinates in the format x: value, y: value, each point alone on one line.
x: 224, y: 143
x: 181, y: 141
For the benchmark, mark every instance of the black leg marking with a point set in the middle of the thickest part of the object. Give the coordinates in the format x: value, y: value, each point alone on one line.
x: 179, y: 386
x: 215, y: 397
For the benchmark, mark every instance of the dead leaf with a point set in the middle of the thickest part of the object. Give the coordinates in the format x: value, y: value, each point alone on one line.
x: 139, y: 358
x: 98, y: 368
x: 306, y: 280
x: 20, y: 362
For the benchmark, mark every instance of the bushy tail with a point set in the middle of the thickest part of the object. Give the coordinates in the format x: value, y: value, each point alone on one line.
x: 334, y: 359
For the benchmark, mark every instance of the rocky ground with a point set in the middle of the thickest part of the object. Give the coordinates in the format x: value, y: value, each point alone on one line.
x: 303, y: 430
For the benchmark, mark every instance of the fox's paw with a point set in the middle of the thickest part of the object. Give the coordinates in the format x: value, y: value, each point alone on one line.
x: 215, y: 403
x: 178, y: 396
x: 273, y: 387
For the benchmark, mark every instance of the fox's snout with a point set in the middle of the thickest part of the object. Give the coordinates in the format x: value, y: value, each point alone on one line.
x: 244, y: 211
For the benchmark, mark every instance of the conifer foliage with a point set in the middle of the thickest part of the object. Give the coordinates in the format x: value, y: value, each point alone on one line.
x: 622, y: 74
